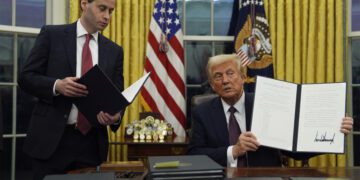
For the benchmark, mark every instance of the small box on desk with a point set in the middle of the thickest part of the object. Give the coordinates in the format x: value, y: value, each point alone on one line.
x: 184, y: 167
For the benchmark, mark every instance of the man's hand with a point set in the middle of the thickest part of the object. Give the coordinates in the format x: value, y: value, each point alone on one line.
x: 68, y: 87
x: 247, y: 142
x: 347, y: 125
x: 107, y: 119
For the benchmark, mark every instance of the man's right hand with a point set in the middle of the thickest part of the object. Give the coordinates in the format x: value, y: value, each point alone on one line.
x: 68, y: 87
x: 247, y: 142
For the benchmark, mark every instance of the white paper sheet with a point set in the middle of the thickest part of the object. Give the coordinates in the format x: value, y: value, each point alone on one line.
x: 274, y: 112
x: 131, y: 92
x: 322, y: 108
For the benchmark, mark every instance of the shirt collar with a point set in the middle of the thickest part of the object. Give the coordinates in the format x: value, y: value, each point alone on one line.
x: 239, y: 105
x: 81, y: 31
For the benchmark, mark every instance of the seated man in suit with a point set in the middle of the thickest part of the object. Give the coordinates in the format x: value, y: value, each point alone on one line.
x: 218, y: 123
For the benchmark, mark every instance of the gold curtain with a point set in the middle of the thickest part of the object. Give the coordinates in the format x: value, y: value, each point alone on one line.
x: 307, y: 41
x: 129, y: 28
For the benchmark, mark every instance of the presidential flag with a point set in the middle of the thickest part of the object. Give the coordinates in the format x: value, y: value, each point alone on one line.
x: 252, y: 40
x: 164, y: 92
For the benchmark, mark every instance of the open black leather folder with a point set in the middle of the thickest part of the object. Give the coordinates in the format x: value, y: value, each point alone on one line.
x: 104, y: 95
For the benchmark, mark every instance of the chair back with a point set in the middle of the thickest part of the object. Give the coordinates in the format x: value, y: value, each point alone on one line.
x: 198, y: 99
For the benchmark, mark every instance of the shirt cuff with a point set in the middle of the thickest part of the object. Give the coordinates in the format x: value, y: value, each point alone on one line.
x: 230, y: 159
x: 54, y: 91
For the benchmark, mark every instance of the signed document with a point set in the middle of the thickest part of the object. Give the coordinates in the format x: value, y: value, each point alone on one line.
x: 299, y: 117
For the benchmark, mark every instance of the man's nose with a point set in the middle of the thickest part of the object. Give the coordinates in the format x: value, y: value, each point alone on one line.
x: 107, y: 15
x: 225, y: 79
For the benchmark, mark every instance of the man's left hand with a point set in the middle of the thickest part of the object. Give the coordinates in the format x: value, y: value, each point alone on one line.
x: 107, y: 119
x: 347, y: 125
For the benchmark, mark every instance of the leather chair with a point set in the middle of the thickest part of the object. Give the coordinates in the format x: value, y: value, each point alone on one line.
x: 198, y: 99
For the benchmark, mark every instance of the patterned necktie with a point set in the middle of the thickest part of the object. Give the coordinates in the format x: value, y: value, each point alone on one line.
x: 234, y: 133
x: 86, y: 63
x: 234, y: 129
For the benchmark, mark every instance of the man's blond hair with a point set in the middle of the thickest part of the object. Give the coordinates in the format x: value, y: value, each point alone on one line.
x: 222, y: 58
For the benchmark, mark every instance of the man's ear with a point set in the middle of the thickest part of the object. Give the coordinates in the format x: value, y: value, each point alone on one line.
x: 211, y: 85
x: 83, y: 4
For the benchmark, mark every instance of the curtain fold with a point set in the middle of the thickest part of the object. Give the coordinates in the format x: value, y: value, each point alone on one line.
x: 129, y: 28
x: 307, y: 39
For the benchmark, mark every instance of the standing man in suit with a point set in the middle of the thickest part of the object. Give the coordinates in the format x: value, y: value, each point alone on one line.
x: 221, y: 126
x: 59, y: 138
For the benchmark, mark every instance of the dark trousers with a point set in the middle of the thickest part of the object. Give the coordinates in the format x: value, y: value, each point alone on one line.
x: 75, y: 151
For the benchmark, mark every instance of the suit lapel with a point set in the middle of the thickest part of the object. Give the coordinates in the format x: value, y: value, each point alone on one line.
x: 221, y: 129
x: 103, y: 52
x: 70, y: 42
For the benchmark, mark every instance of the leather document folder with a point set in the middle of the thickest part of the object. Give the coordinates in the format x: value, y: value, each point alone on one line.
x: 84, y: 176
x: 189, y: 167
x: 104, y: 95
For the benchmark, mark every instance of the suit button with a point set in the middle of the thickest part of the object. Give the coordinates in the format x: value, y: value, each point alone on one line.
x: 65, y: 116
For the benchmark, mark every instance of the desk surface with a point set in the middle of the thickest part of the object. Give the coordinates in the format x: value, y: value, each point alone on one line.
x: 351, y: 173
x: 138, y: 168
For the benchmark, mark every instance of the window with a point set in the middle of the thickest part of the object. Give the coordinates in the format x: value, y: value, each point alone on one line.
x: 205, y: 25
x: 353, y: 74
x: 20, y: 21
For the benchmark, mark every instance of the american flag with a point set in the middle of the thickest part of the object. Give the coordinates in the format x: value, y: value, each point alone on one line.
x: 244, y: 58
x: 164, y: 92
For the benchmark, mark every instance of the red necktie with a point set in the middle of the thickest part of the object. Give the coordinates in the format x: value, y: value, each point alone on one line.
x: 234, y: 133
x: 86, y: 63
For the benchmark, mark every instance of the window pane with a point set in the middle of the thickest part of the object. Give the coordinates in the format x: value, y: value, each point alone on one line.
x: 356, y: 108
x: 30, y: 13
x: 6, y: 58
x: 25, y: 44
x: 6, y: 107
x: 23, y: 162
x: 355, y: 15
x: 197, y: 55
x: 5, y: 159
x: 222, y: 16
x: 355, y: 46
x: 223, y: 48
x: 5, y: 12
x: 198, y: 17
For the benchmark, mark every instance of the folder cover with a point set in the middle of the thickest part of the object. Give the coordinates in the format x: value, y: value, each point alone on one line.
x: 83, y: 176
x: 191, y: 167
x: 104, y: 95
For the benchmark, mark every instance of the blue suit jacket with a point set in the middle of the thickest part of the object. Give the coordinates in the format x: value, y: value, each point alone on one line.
x: 54, y: 57
x: 210, y: 136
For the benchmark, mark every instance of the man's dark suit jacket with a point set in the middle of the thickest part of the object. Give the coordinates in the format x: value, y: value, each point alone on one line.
x: 210, y: 136
x: 54, y: 57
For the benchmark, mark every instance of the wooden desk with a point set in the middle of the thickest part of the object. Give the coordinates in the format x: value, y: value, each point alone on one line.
x: 140, y: 150
x: 284, y: 173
